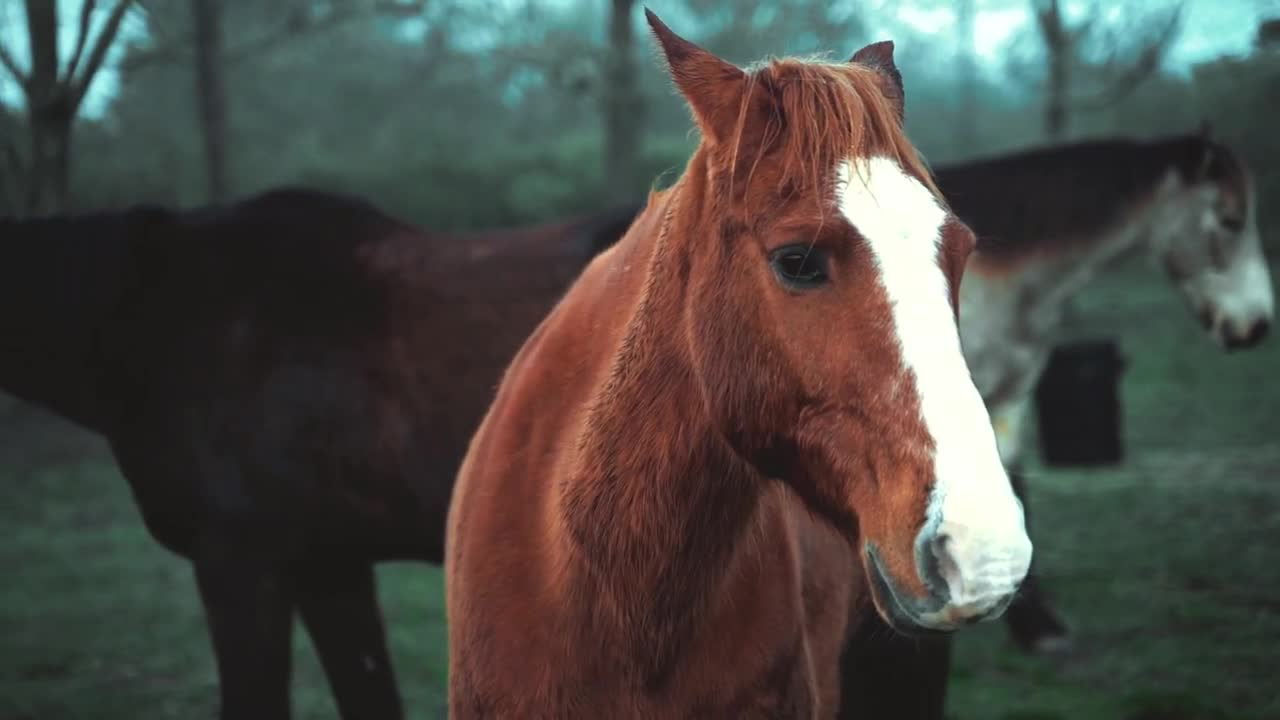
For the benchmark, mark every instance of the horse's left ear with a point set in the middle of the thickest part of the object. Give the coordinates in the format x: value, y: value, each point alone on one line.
x: 879, y: 57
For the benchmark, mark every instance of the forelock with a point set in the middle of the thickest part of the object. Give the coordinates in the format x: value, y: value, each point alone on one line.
x: 803, y: 117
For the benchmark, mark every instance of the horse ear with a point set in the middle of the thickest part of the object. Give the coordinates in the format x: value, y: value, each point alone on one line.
x: 879, y: 56
x: 712, y: 87
x: 1206, y: 131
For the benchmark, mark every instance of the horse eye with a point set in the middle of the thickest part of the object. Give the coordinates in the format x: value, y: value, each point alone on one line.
x: 1232, y: 224
x: 799, y: 266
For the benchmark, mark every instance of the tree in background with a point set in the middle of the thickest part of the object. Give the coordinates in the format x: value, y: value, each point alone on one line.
x: 966, y: 127
x: 200, y: 45
x: 53, y: 95
x: 461, y: 114
x: 211, y: 94
x: 622, y: 106
x: 1075, y: 81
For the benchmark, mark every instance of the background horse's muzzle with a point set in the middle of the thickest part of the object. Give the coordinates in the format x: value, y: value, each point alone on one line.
x: 1255, y: 334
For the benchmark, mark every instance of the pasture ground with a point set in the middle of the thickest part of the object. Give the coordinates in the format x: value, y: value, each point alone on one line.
x: 1166, y: 565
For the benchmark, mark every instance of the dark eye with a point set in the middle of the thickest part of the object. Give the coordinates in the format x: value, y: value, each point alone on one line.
x: 799, y: 266
x: 1232, y: 224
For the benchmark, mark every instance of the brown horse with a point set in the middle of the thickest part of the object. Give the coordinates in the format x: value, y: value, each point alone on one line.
x: 758, y: 390
x: 1049, y: 220
x: 288, y: 384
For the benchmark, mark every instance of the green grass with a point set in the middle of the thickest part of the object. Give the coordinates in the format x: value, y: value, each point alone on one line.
x: 1164, y: 565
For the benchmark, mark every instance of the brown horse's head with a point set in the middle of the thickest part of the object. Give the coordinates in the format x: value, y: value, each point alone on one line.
x: 818, y: 269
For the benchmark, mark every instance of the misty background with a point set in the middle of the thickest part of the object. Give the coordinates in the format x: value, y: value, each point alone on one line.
x: 470, y: 113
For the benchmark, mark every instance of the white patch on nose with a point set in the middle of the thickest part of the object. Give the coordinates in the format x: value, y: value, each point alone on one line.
x: 988, y: 551
x: 1242, y: 294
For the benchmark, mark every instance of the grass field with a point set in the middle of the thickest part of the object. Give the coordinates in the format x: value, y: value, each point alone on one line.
x: 1167, y: 566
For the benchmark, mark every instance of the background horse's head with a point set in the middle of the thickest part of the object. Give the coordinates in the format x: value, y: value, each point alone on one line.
x: 1206, y: 236
x: 816, y: 270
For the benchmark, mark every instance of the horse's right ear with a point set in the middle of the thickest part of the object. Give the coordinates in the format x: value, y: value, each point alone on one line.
x: 713, y: 88
x: 879, y: 57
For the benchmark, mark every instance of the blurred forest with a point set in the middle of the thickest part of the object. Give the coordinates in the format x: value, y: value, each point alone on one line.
x: 469, y: 113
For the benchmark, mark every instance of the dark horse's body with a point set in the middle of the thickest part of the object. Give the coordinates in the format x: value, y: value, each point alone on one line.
x: 288, y: 384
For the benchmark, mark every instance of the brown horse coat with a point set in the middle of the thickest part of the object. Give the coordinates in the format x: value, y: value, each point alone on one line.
x: 658, y: 515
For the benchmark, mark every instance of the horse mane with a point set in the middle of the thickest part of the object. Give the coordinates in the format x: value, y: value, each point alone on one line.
x: 817, y: 113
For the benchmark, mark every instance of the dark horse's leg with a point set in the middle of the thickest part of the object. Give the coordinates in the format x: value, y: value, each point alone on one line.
x: 884, y: 674
x: 339, y: 604
x: 1034, y: 624
x: 248, y: 601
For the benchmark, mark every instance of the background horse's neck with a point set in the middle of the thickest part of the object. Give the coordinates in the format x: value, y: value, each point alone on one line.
x: 657, y: 501
x: 1076, y: 210
x: 1062, y: 200
x: 61, y: 281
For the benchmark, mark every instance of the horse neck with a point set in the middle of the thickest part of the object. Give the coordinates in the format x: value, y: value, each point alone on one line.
x: 61, y: 278
x: 1045, y: 288
x: 656, y: 501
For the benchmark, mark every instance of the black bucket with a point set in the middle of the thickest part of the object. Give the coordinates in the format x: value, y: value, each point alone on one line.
x: 1078, y: 404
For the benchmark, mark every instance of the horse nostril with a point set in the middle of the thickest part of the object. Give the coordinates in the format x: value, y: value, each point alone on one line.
x: 1257, y: 332
x: 937, y: 560
x: 1253, y: 336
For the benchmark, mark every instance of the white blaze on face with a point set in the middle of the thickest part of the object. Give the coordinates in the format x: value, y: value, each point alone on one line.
x: 986, y: 552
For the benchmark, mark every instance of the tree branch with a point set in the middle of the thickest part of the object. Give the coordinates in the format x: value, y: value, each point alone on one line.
x: 1143, y: 67
x: 86, y: 14
x: 99, y: 53
x: 11, y: 65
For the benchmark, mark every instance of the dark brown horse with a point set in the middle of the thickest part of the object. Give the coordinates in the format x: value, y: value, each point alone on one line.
x: 288, y: 384
x: 743, y: 420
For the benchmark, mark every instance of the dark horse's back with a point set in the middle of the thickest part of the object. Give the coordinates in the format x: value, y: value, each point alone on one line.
x: 302, y: 368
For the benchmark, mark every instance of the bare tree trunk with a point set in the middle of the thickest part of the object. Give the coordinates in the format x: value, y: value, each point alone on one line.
x: 966, y: 74
x: 1059, y: 47
x: 1055, y: 110
x: 211, y: 94
x: 47, y: 113
x: 49, y: 182
x: 12, y: 199
x: 52, y: 100
x: 622, y: 107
